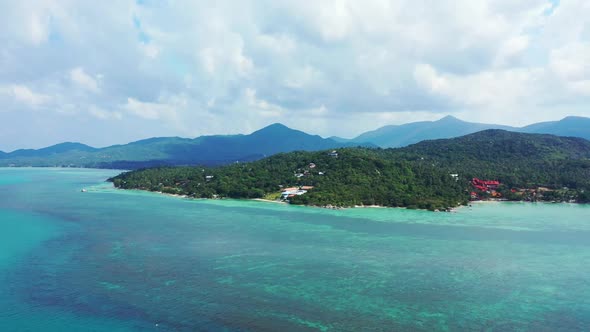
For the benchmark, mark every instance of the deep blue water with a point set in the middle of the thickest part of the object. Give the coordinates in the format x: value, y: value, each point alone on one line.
x: 110, y: 260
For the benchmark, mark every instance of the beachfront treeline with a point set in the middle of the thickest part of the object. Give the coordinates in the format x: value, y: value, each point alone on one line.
x: 352, y: 176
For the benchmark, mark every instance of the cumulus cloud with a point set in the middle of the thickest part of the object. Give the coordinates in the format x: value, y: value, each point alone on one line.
x: 225, y: 56
x: 147, y: 110
x: 510, y: 49
x: 102, y: 114
x: 23, y: 94
x: 150, y: 50
x: 262, y: 107
x: 328, y: 67
x: 570, y: 65
x: 39, y: 28
x: 82, y: 79
x: 487, y: 89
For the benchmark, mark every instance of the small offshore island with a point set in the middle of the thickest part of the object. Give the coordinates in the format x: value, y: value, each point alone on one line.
x: 433, y: 175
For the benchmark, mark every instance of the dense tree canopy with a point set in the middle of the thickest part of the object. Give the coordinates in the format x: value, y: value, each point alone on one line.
x: 417, y: 176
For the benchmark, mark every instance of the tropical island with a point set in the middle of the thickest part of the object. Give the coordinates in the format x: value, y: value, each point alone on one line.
x: 433, y: 175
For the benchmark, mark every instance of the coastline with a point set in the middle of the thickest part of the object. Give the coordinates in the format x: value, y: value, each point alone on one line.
x: 371, y: 207
x: 332, y: 207
x: 265, y: 200
x: 262, y: 200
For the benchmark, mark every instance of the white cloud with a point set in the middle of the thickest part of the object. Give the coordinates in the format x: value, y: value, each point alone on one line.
x: 298, y: 78
x: 82, y: 79
x: 164, y: 113
x: 570, y: 62
x: 237, y: 66
x: 581, y: 87
x: 280, y: 44
x: 24, y: 95
x: 150, y: 50
x: 493, y: 89
x: 215, y: 59
x: 260, y: 106
x: 570, y: 65
x: 427, y: 77
x: 39, y: 28
x: 102, y: 114
x: 152, y: 111
x: 511, y: 48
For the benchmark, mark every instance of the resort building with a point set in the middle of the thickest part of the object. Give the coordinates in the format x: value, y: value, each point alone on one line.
x: 294, y: 191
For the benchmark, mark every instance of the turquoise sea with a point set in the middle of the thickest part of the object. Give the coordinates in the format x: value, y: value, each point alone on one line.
x: 110, y: 260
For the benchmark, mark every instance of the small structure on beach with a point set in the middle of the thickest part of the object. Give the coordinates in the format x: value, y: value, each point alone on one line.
x: 294, y: 191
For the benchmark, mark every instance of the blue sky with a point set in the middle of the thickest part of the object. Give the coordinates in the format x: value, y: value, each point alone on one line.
x: 112, y: 73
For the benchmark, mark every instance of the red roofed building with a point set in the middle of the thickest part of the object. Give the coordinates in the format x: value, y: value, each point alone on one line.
x: 485, y: 185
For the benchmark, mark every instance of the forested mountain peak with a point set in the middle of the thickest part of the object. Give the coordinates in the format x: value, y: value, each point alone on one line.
x: 277, y: 126
x: 449, y: 118
x: 279, y: 130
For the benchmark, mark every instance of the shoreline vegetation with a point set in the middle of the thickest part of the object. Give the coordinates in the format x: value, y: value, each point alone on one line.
x: 437, y: 175
x: 263, y: 200
x: 356, y: 177
x: 331, y: 207
x: 276, y: 201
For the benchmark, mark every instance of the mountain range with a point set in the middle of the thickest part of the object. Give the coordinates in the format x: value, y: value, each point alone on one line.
x: 449, y: 127
x: 276, y: 138
x: 204, y: 150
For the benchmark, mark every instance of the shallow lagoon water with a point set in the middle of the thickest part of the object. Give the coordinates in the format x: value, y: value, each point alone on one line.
x: 109, y: 260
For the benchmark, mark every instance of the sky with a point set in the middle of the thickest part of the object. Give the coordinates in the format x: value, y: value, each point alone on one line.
x: 105, y: 73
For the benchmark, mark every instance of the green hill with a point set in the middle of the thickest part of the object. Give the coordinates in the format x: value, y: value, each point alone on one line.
x: 496, y: 144
x: 357, y: 176
x: 516, y: 159
x: 418, y: 176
